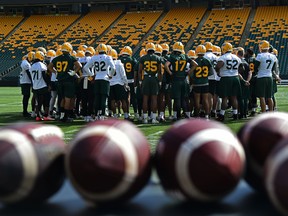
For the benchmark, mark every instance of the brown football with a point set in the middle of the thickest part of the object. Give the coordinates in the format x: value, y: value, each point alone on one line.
x: 199, y: 160
x: 275, y: 176
x: 258, y: 137
x: 31, y: 162
x: 108, y: 161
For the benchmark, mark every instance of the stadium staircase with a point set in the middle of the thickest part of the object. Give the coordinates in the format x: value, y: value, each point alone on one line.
x: 247, y: 28
x: 114, y: 23
x: 197, y: 30
x: 139, y: 46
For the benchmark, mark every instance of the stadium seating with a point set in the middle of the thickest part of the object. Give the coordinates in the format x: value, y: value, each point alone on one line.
x: 178, y: 24
x: 130, y: 29
x: 223, y: 25
x: 271, y: 24
x: 37, y: 30
x: 88, y: 28
x: 8, y: 24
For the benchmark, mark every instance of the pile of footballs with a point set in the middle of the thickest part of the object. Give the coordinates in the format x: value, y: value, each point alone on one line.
x: 110, y: 161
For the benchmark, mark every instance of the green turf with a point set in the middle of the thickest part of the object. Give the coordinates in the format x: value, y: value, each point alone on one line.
x: 11, y: 108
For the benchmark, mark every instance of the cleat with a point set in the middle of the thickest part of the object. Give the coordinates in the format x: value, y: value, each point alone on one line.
x: 220, y: 118
x: 154, y: 121
x: 48, y: 118
x: 38, y: 118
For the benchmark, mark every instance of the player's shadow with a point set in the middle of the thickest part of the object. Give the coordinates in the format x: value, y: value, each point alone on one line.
x: 121, y: 209
x: 37, y: 209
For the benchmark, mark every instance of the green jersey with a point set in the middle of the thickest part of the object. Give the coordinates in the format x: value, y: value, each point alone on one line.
x: 178, y: 65
x: 130, y: 64
x: 63, y: 64
x: 200, y: 75
x: 150, y: 64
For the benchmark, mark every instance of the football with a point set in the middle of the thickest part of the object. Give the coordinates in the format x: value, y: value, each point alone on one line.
x: 31, y: 162
x: 199, y: 160
x: 259, y: 136
x: 108, y: 161
x: 275, y: 176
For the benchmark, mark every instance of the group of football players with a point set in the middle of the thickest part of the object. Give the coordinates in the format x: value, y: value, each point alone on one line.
x: 96, y: 83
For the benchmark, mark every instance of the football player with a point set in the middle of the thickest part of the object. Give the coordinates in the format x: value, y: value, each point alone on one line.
x: 212, y: 78
x: 149, y: 73
x: 245, y: 75
x: 25, y: 83
x: 265, y: 63
x: 66, y: 67
x: 250, y: 59
x: 130, y: 68
x: 166, y: 81
x: 119, y: 87
x: 40, y: 84
x: 229, y: 84
x: 176, y: 67
x: 161, y: 94
x: 103, y: 69
x: 87, y: 87
x: 200, y: 81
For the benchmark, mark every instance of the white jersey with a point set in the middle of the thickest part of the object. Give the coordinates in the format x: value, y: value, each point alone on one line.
x: 231, y: 64
x: 213, y: 59
x: 53, y: 75
x: 24, y: 78
x: 267, y: 61
x: 217, y: 77
x: 102, y: 66
x: 120, y: 74
x: 83, y: 61
x: 36, y: 74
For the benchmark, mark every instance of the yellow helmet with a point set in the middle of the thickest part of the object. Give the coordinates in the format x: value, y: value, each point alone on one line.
x: 109, y: 48
x: 226, y: 47
x: 142, y: 52
x: 219, y: 50
x: 24, y: 57
x: 200, y: 49
x: 240, y: 49
x: 74, y: 53
x: 30, y: 56
x: 82, y: 47
x: 178, y: 46
x: 150, y: 46
x: 51, y: 53
x: 158, y: 49
x: 80, y: 54
x: 42, y: 49
x: 275, y: 52
x: 165, y: 47
x: 90, y: 50
x: 114, y: 54
x: 264, y: 45
x: 58, y: 52
x: 39, y: 55
x: 191, y: 54
x: 215, y: 49
x: 66, y: 47
x: 127, y: 50
x: 208, y: 46
x: 102, y: 48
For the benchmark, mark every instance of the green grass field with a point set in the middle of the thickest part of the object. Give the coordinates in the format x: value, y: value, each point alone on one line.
x: 11, y: 111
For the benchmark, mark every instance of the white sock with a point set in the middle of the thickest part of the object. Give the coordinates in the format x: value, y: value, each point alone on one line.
x: 222, y: 112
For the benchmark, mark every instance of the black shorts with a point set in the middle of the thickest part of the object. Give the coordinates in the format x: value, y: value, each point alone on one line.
x: 26, y: 89
x: 201, y: 89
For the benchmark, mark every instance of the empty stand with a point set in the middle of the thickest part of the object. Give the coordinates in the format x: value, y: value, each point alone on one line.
x: 223, y: 25
x: 271, y: 24
x: 130, y: 29
x: 178, y: 25
x: 8, y: 23
x: 37, y: 30
x: 88, y: 28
